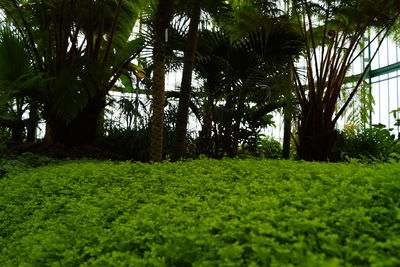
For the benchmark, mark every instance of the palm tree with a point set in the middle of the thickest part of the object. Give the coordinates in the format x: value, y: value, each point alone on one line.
x: 211, y: 66
x: 16, y: 82
x: 244, y: 61
x: 333, y: 35
x: 217, y: 9
x: 179, y: 141
x: 163, y: 16
x: 250, y: 68
x: 81, y: 56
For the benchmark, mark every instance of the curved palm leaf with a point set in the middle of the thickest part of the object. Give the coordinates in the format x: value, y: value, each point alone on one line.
x: 84, y: 45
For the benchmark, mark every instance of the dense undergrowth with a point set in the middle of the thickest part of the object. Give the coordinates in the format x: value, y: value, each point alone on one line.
x: 201, y: 213
x: 12, y: 164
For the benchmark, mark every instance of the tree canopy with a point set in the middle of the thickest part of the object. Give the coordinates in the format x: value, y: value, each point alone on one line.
x: 61, y: 59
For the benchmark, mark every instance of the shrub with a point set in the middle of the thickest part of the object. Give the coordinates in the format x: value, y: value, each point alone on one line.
x: 4, y: 138
x: 201, y: 213
x: 369, y: 144
x: 15, y: 164
x: 268, y: 147
x: 128, y: 144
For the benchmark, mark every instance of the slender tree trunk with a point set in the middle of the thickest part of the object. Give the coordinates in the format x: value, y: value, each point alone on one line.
x: 179, y: 141
x: 287, y: 130
x: 32, y: 122
x: 48, y: 135
x: 162, y: 21
x: 238, y: 120
x: 226, y: 138
x: 288, y: 111
x: 205, y: 138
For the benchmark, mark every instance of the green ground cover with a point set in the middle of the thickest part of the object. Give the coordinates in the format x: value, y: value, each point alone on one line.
x: 201, y: 213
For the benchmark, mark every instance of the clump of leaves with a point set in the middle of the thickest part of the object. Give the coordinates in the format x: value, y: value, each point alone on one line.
x: 268, y: 147
x: 375, y: 143
x: 16, y: 164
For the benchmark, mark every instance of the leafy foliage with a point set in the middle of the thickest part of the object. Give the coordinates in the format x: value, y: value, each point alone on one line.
x: 15, y: 164
x: 17, y: 83
x: 80, y: 56
x: 374, y: 143
x: 333, y: 36
x: 127, y: 143
x: 269, y: 147
x: 249, y: 73
x: 201, y: 213
x: 359, y: 109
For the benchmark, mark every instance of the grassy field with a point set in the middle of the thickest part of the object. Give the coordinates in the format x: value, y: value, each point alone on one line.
x: 201, y: 213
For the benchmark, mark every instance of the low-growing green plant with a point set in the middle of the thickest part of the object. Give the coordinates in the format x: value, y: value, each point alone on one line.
x: 201, y: 213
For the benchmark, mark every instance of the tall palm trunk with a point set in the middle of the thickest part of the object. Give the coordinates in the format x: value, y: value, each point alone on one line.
x: 205, y: 138
x: 162, y: 21
x: 287, y: 131
x: 226, y: 135
x: 179, y: 142
x: 288, y: 111
x: 238, y: 119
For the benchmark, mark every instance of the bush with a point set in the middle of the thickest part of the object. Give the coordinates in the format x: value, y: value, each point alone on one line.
x: 369, y: 144
x: 15, y: 164
x: 268, y: 147
x: 128, y: 144
x: 264, y: 147
x: 201, y: 213
x: 4, y: 138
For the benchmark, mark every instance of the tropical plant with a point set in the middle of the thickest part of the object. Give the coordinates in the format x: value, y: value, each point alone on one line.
x: 17, y: 82
x: 83, y: 55
x: 334, y: 34
x: 268, y: 147
x: 162, y: 19
x: 214, y: 8
x: 179, y: 141
x: 370, y: 144
x: 396, y: 116
x: 245, y: 75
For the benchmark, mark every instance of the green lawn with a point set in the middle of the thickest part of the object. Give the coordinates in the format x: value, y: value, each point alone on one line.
x: 201, y: 213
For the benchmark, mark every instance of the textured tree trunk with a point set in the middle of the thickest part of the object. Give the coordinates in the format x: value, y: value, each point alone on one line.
x: 162, y: 21
x: 288, y: 111
x: 227, y: 121
x: 83, y: 129
x: 32, y: 122
x: 316, y: 136
x: 205, y: 138
x: 287, y: 131
x: 238, y: 119
x: 17, y: 132
x: 179, y: 141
